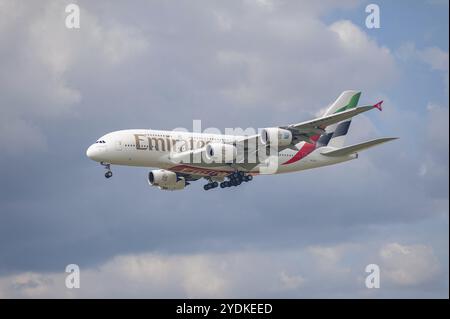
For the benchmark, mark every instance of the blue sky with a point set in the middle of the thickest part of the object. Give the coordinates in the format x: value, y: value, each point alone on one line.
x: 230, y: 64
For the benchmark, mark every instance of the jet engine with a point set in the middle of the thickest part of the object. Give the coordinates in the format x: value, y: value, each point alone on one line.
x: 276, y: 136
x: 166, y: 180
x: 220, y: 153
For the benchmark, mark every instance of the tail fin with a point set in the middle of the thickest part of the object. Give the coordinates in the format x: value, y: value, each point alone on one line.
x: 335, y: 134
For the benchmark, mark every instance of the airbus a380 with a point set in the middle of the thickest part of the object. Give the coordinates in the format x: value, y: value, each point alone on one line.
x: 230, y: 160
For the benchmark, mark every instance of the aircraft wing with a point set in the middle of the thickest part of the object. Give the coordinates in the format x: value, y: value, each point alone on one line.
x: 247, y: 145
x: 319, y: 124
x: 305, y: 130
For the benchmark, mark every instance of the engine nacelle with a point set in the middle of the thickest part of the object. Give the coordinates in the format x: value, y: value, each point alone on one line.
x: 166, y: 180
x: 220, y: 153
x: 276, y: 136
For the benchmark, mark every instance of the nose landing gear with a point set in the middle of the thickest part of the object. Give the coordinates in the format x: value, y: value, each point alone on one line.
x: 107, y: 166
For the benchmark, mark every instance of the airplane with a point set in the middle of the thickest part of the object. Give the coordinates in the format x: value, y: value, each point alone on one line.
x: 230, y: 160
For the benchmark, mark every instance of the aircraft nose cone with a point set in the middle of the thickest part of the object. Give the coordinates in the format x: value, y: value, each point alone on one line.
x: 90, y: 152
x: 96, y: 152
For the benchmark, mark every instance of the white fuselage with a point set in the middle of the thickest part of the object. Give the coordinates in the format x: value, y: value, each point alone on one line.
x: 154, y: 148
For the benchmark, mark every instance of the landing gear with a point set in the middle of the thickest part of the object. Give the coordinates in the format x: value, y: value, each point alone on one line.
x: 107, y: 166
x: 210, y: 185
x: 236, y: 179
x: 237, y: 175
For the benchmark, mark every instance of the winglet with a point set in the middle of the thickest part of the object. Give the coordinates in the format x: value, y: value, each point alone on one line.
x: 378, y: 106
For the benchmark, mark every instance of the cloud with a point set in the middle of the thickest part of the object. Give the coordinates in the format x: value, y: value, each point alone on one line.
x: 268, y: 74
x: 147, y: 275
x: 432, y: 162
x: 327, y: 257
x: 438, y: 60
x: 325, y: 271
x: 233, y: 63
x: 38, y: 56
x: 408, y: 265
x: 434, y: 57
x: 434, y: 167
x: 204, y: 275
x: 291, y: 281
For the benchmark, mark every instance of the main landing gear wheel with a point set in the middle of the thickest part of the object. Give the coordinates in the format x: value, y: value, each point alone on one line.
x: 234, y: 179
x: 107, y: 166
x: 225, y: 184
x: 211, y: 185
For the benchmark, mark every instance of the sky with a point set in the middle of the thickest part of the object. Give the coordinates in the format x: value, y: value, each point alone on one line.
x: 161, y: 65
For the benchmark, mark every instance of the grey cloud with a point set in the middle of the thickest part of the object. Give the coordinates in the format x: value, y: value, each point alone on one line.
x: 315, y: 271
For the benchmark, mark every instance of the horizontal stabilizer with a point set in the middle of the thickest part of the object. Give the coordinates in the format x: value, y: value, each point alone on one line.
x: 357, y: 147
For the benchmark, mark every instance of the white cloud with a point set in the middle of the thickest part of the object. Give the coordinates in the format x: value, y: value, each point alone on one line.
x: 291, y: 281
x: 157, y: 275
x: 302, y: 55
x: 433, y: 56
x: 322, y: 271
x: 408, y: 265
x: 328, y: 259
x: 147, y: 275
x: 208, y: 275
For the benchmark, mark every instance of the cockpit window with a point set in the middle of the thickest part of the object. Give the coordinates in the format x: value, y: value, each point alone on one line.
x: 100, y: 142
